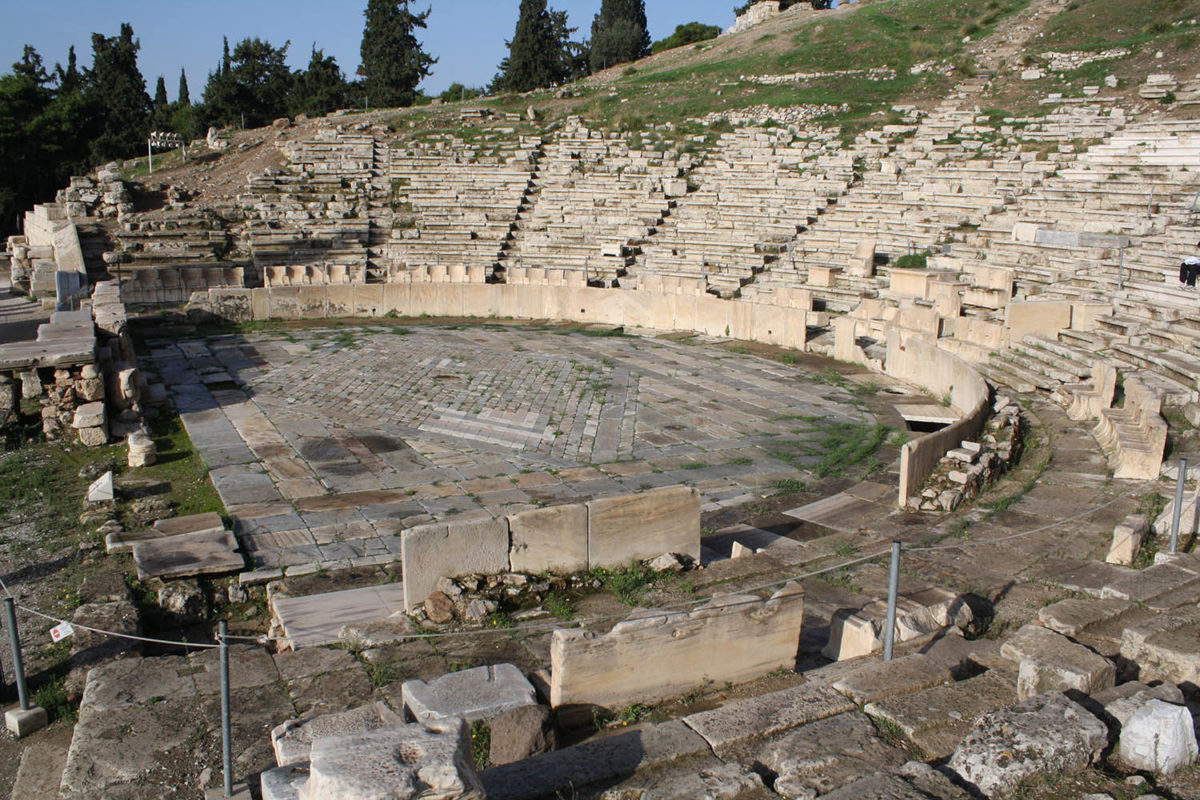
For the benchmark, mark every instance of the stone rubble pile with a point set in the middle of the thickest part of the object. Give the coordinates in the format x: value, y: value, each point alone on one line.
x: 971, y: 468
x: 1062, y: 62
x: 103, y: 194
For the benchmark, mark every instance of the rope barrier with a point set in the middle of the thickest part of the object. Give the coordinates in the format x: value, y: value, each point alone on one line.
x: 666, y: 611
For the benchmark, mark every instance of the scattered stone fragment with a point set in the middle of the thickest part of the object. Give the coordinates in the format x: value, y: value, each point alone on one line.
x: 519, y: 733
x: 102, y: 489
x: 1045, y: 734
x: 403, y: 762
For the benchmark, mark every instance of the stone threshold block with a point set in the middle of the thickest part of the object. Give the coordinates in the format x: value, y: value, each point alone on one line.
x: 292, y: 740
x: 1074, y: 616
x: 936, y: 719
x: 187, y: 554
x: 399, y: 761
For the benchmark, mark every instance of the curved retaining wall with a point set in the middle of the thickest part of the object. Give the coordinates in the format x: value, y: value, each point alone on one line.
x: 912, y: 357
x: 918, y: 360
x: 777, y: 325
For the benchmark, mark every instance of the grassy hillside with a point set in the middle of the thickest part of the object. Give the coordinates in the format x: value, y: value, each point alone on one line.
x: 708, y: 77
x: 1159, y: 35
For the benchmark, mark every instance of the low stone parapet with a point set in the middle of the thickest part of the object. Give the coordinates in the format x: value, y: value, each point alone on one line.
x: 656, y: 654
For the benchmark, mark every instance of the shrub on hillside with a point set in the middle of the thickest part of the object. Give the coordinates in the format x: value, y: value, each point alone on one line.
x: 689, y: 33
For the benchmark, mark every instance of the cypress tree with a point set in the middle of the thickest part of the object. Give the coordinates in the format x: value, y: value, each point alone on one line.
x: 160, y: 94
x: 31, y: 67
x: 185, y: 96
x: 69, y: 80
x: 118, y: 90
x: 620, y: 33
x: 533, y: 54
x: 393, y: 62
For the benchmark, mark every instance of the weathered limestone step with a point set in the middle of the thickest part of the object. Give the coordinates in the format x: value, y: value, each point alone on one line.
x: 571, y: 768
x: 1159, y: 586
x: 292, y: 740
x: 937, y: 719
x: 186, y: 554
x: 767, y: 714
x: 40, y: 773
x: 828, y: 754
x: 1074, y: 616
x: 1087, y: 577
x: 901, y: 676
x: 1050, y: 662
x: 318, y: 619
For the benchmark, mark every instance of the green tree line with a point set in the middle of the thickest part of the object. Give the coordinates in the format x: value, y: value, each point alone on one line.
x: 59, y: 122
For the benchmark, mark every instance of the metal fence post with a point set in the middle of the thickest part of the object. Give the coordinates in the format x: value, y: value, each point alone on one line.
x: 226, y: 732
x: 889, y: 633
x: 1177, y: 515
x: 14, y: 639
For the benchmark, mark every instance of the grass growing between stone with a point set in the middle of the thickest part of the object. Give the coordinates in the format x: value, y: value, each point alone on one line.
x: 180, y: 465
x: 837, y: 447
x: 629, y: 585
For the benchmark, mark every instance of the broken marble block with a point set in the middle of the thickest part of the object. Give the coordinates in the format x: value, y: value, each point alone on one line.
x: 1159, y: 737
x: 397, y: 763
x: 482, y: 693
x: 102, y: 489
x: 1049, y: 733
x: 1127, y: 539
x: 292, y: 741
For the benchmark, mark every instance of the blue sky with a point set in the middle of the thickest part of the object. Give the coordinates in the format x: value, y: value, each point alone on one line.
x: 466, y: 35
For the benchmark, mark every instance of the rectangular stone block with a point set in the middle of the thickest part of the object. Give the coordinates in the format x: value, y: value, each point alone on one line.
x: 482, y: 693
x: 650, y: 658
x: 767, y: 714
x: 450, y: 550
x: 550, y: 540
x: 203, y: 553
x: 643, y: 526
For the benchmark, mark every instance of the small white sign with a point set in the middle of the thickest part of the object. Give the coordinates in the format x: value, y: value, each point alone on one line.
x: 61, y: 631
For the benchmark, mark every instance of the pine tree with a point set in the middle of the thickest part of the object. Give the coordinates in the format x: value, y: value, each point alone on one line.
x: 118, y: 91
x: 160, y: 94
x: 319, y: 89
x: 44, y: 136
x: 533, y: 55
x: 393, y: 62
x: 251, y: 86
x: 185, y: 96
x: 619, y: 33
